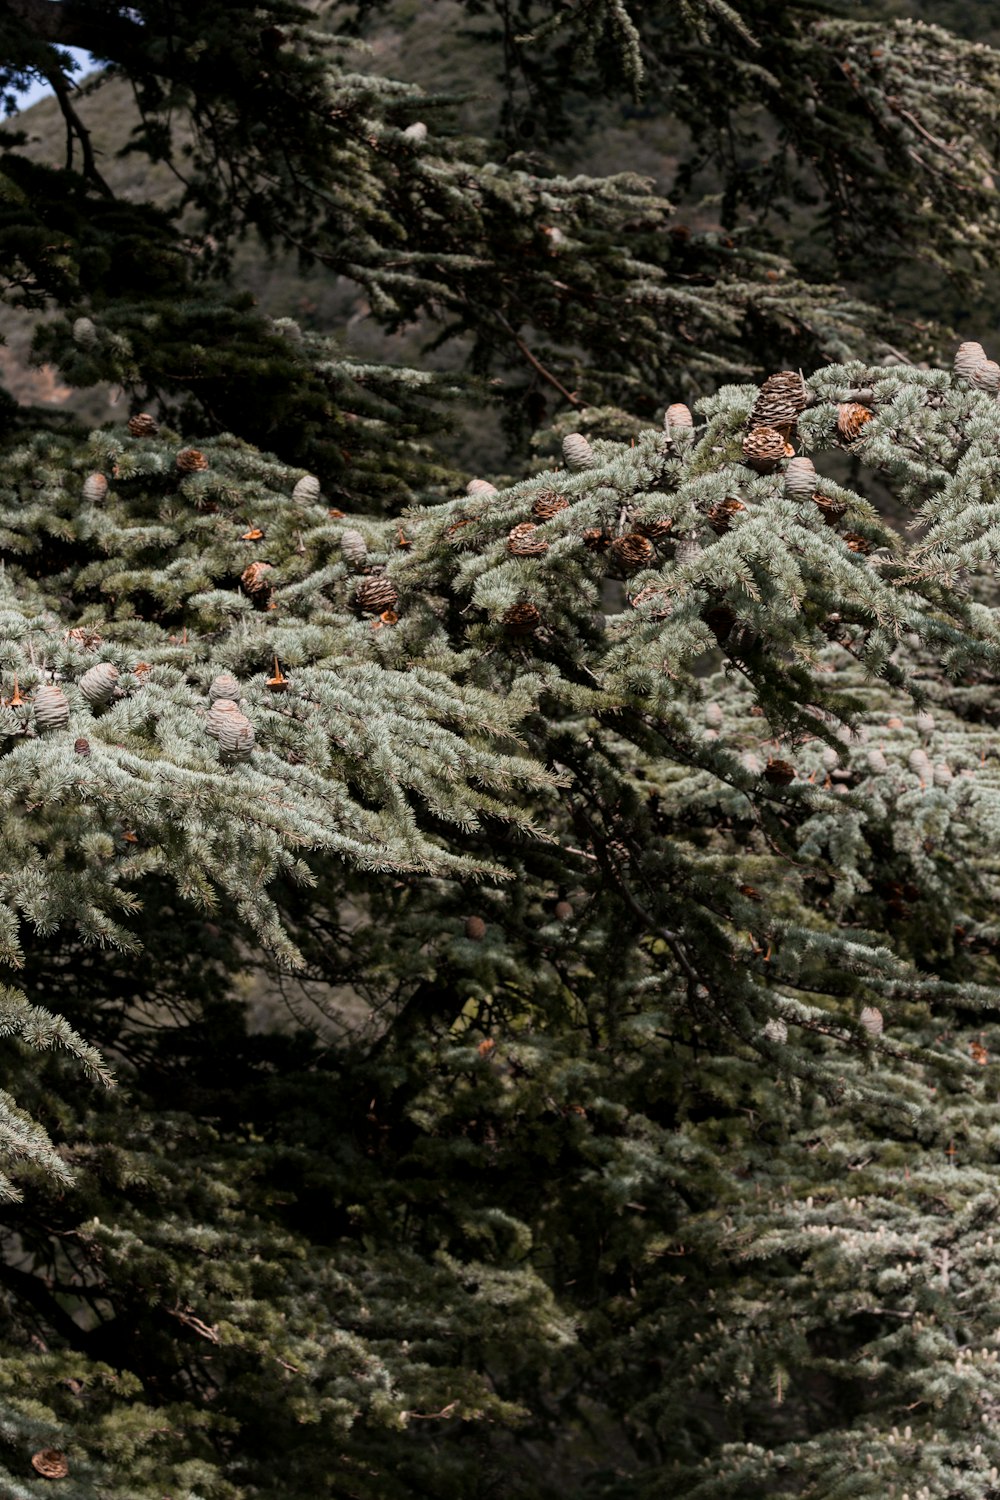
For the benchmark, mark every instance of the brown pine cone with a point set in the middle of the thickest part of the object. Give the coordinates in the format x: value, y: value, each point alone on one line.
x: 782, y: 398
x: 831, y: 510
x: 656, y: 528
x: 764, y: 448
x: 375, y: 594
x: 678, y: 415
x: 852, y: 418
x: 658, y: 610
x: 779, y: 772
x: 548, y: 504
x: 143, y: 425
x: 256, y: 584
x: 50, y: 1463
x: 522, y: 541
x: 81, y: 746
x: 967, y: 357
x: 475, y: 929
x: 720, y: 515
x: 191, y: 461
x: 522, y: 619
x: 631, y: 552
x: 720, y: 621
x: 986, y: 376
x: 857, y: 543
x: 596, y: 539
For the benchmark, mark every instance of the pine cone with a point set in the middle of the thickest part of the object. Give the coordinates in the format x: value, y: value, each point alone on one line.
x: 50, y: 1463
x: 256, y: 584
x: 782, y: 398
x: 942, y: 774
x: 577, y: 452
x: 563, y: 911
x: 986, y: 376
x: 236, y: 737
x: 631, y: 552
x: 219, y: 714
x: 677, y: 415
x: 95, y: 487
x: 831, y: 510
x: 877, y: 763
x: 967, y: 357
x: 800, y: 478
x: 764, y: 448
x: 354, y: 549
x: 522, y: 541
x: 98, y: 684
x: 852, y: 418
x: 481, y: 487
x: 416, y: 132
x: 191, y: 461
x: 661, y: 610
x: 925, y: 723
x: 919, y: 762
x: 85, y: 333
x: 475, y: 929
x: 655, y: 527
x: 143, y: 425
x: 775, y: 1030
x: 548, y: 504
x: 871, y: 1020
x: 596, y: 539
x: 306, y: 491
x: 375, y: 594
x: 81, y: 746
x: 86, y: 639
x: 858, y: 543
x: 51, y: 707
x: 720, y: 515
x: 522, y: 619
x: 713, y: 715
x: 779, y: 772
x: 224, y: 686
x: 720, y: 620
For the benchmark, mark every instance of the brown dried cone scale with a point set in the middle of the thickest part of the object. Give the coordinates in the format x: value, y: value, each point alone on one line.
x: 191, y: 461
x: 354, y: 549
x: 523, y: 541
x: 236, y: 737
x: 224, y: 686
x: 764, y: 448
x: 800, y: 478
x: 782, y: 399
x: 720, y: 515
x: 95, y: 487
x: 522, y: 619
x: 376, y: 594
x: 143, y: 425
x: 967, y: 357
x: 50, y: 1463
x: 631, y: 552
x: 548, y: 504
x: 852, y: 418
x: 779, y: 772
x: 98, y: 684
x: 577, y: 452
x: 256, y: 583
x: 51, y: 707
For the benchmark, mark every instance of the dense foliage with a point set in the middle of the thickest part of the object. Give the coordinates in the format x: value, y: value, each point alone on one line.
x: 543, y: 936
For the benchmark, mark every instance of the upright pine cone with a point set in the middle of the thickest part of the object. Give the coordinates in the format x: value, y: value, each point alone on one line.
x: 256, y: 584
x: 782, y: 399
x: 872, y: 1020
x: 852, y: 418
x: 522, y: 541
x: 481, y: 487
x: 595, y: 539
x: 779, y: 772
x: 677, y: 415
x: 354, y: 549
x: 191, y: 461
x: 830, y: 509
x: 631, y: 552
x: 800, y: 478
x: 143, y: 425
x: 219, y: 714
x: 51, y: 707
x: 85, y: 333
x: 475, y: 929
x: 306, y: 491
x: 98, y: 684
x: 577, y: 452
x: 764, y: 448
x: 236, y: 737
x: 95, y: 487
x: 548, y: 504
x: 375, y: 594
x: 655, y: 527
x: 720, y: 515
x: 967, y: 357
x: 522, y: 619
x: 224, y: 686
x: 986, y: 376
